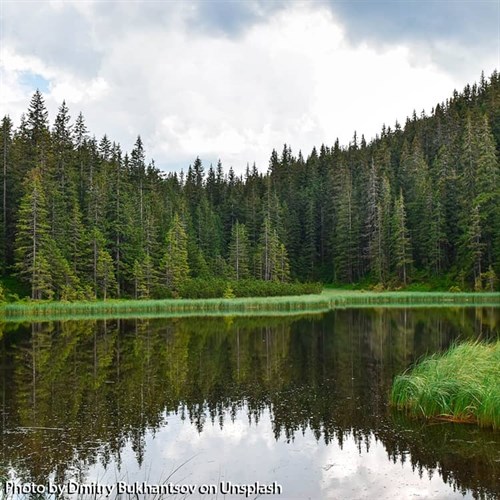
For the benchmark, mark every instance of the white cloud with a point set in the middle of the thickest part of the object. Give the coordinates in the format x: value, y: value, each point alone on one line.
x: 292, y: 78
x: 306, y: 468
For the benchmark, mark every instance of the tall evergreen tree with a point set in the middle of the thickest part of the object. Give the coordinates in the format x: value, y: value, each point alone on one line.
x: 423, y: 199
x: 175, y: 260
x: 239, y: 252
x: 401, y: 241
x: 38, y: 130
x: 33, y: 242
x: 345, y: 236
x: 5, y: 154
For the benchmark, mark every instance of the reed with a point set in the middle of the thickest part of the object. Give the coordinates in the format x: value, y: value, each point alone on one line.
x: 461, y: 385
x: 325, y: 301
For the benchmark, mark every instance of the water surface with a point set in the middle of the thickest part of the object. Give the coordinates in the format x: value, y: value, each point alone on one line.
x: 297, y: 400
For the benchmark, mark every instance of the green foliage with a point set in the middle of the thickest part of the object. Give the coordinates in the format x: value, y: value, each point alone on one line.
x: 461, y: 385
x: 145, y: 278
x: 199, y: 288
x: 247, y: 303
x: 219, y: 288
x: 105, y: 276
x: 175, y: 259
x: 239, y: 252
x: 401, y: 241
x: 33, y: 241
x: 228, y: 292
x: 271, y: 256
x: 418, y: 206
x: 491, y: 279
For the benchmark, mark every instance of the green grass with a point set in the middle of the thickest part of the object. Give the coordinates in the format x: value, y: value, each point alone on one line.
x: 462, y: 385
x: 327, y: 300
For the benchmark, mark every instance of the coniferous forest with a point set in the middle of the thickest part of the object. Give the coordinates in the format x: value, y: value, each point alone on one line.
x: 420, y: 203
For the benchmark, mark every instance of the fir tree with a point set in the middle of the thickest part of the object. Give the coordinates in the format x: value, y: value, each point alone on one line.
x: 239, y: 252
x: 33, y: 242
x: 175, y: 260
x: 5, y: 145
x: 401, y: 241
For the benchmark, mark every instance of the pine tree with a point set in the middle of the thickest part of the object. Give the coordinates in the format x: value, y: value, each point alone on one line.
x: 76, y: 239
x: 92, y: 206
x: 140, y: 290
x: 282, y: 265
x: 383, y: 233
x: 271, y: 257
x: 138, y: 171
x: 437, y: 239
x: 145, y: 278
x: 345, y: 235
x: 401, y: 241
x: 373, y: 230
x: 5, y: 155
x: 488, y: 190
x: 175, y: 260
x: 267, y: 251
x: 66, y: 283
x: 239, y: 252
x: 446, y: 195
x: 38, y: 131
x: 80, y: 136
x: 475, y: 245
x: 33, y: 242
x: 62, y: 143
x: 105, y: 276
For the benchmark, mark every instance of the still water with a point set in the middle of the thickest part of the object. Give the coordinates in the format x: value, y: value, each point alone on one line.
x: 298, y: 404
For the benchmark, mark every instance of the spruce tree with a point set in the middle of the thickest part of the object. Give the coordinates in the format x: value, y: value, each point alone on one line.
x: 175, y: 260
x: 239, y: 252
x: 105, y: 276
x: 145, y: 278
x: 5, y: 155
x: 474, y: 242
x: 33, y: 241
x: 282, y: 272
x: 401, y: 241
x: 38, y: 131
x: 345, y: 235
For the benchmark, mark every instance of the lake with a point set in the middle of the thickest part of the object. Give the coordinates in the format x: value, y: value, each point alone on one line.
x: 289, y: 407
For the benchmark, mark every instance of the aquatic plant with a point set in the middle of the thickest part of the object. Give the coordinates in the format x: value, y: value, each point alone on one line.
x: 291, y: 304
x: 462, y: 384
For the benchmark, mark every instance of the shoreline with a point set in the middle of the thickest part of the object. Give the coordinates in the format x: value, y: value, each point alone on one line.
x: 329, y: 299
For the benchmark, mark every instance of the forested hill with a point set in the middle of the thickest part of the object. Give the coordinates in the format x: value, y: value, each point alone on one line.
x: 81, y: 218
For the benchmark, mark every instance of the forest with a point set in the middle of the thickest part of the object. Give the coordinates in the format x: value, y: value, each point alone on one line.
x: 419, y: 204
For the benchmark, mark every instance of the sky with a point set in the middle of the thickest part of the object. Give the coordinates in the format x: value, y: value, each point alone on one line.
x: 231, y: 80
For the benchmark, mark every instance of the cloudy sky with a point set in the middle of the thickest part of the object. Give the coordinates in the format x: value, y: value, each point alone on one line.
x: 235, y: 79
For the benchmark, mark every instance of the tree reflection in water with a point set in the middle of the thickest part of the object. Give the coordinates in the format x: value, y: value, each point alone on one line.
x: 75, y: 393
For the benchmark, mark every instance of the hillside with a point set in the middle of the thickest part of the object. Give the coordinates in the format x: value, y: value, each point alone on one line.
x: 420, y: 203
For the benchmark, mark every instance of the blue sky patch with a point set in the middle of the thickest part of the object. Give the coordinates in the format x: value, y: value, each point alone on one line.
x: 34, y: 81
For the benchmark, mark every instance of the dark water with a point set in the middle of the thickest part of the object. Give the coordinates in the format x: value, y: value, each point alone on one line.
x: 300, y: 401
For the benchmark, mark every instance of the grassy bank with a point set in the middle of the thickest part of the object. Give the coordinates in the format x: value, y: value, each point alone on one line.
x: 325, y: 301
x: 461, y: 385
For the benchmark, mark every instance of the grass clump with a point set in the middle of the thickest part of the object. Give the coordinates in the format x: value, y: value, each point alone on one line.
x: 461, y: 385
x: 244, y: 298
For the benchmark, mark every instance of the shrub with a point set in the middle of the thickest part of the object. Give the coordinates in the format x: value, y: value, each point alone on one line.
x: 198, y: 288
